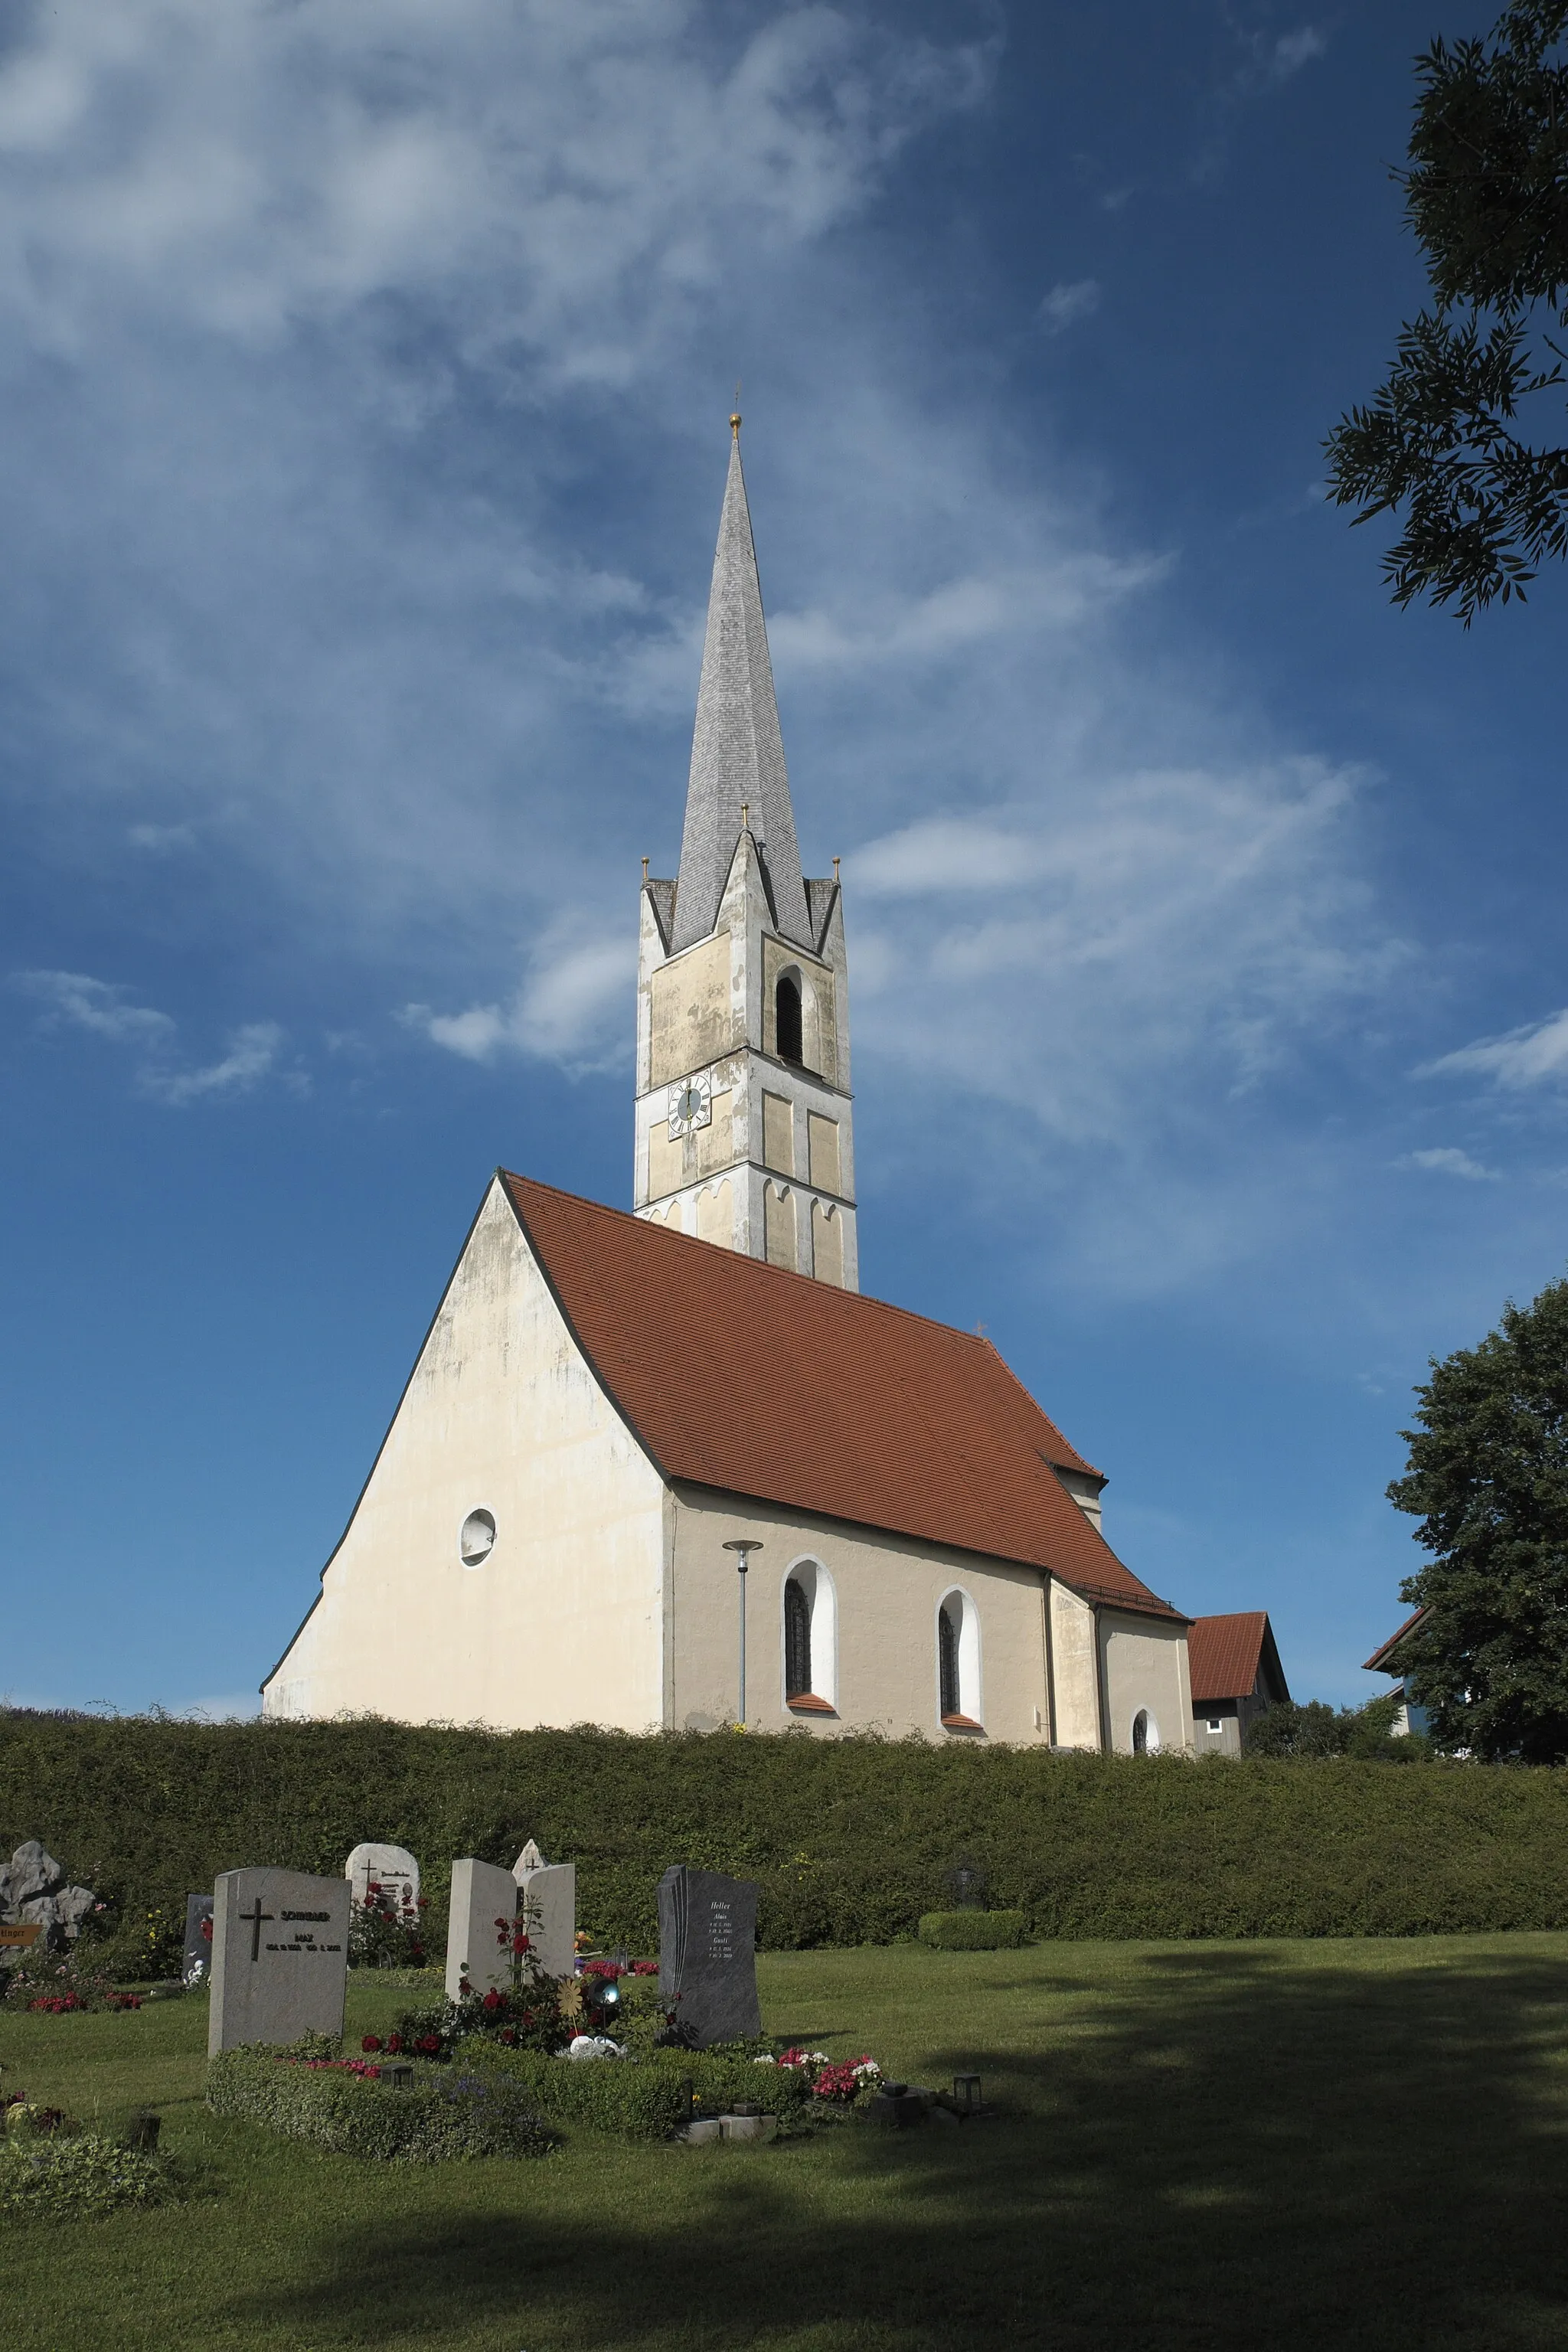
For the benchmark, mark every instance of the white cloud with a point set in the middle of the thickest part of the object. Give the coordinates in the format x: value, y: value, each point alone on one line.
x: 97, y: 1005
x: 573, y: 1006
x: 1065, y: 305
x: 100, y: 1007
x: 1291, y: 51
x: 1535, y: 1055
x: 252, y: 1053
x: 1445, y: 1160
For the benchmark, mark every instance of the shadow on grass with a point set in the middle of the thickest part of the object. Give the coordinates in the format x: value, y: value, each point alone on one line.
x: 1222, y: 2149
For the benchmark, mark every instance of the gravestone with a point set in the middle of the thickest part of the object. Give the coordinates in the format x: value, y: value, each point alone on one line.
x: 707, y: 1955
x: 280, y: 1957
x: 480, y: 1895
x: 548, y: 1901
x: 394, y: 1870
x: 197, y: 1965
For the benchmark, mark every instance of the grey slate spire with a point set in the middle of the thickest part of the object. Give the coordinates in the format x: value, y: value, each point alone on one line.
x: 737, y: 750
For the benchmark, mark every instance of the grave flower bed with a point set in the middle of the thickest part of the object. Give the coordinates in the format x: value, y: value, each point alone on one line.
x: 659, y: 2093
x: 972, y: 1931
x: 50, y: 2170
x: 350, y: 2106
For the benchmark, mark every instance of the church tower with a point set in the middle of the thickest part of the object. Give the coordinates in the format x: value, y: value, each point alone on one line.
x: 742, y: 1076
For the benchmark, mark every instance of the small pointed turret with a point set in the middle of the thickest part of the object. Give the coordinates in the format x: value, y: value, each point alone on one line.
x: 737, y: 750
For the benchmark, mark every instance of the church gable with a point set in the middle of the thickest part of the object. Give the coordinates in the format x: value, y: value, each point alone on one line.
x: 505, y: 1561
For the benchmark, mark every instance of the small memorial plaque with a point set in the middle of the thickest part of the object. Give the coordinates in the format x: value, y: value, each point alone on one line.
x: 280, y: 1957
x: 22, y: 1937
x: 706, y: 1954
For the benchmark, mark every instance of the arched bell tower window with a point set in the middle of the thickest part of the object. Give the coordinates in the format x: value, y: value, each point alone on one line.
x: 790, y: 1025
x: 797, y: 1640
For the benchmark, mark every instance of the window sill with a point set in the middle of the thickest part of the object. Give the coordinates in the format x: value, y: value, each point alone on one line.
x: 961, y: 1723
x: 807, y: 1702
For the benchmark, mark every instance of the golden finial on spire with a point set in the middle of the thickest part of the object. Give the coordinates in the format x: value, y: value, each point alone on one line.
x: 735, y: 418
x: 835, y: 869
x: 745, y: 816
x: 645, y: 869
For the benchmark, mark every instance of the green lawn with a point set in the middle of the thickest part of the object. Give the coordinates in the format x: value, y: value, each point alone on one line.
x: 1249, y: 2145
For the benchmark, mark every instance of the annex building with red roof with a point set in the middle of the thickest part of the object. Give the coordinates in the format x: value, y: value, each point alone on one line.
x: 668, y: 1468
x: 1237, y: 1676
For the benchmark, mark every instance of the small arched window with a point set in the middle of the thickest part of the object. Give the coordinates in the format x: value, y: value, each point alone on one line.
x: 1145, y: 1734
x: 789, y: 1022
x: 797, y: 1640
x: 947, y: 1660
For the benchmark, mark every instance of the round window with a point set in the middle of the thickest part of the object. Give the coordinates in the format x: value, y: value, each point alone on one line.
x: 478, y: 1537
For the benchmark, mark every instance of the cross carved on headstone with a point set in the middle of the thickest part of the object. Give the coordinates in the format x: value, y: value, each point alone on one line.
x: 253, y: 1921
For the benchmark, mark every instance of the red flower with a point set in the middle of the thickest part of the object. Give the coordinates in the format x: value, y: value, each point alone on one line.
x: 429, y: 2043
x: 371, y: 2041
x: 492, y: 1999
x: 424, y: 1899
x: 506, y: 1924
x: 519, y: 1943
x: 394, y: 2044
x: 508, y: 2036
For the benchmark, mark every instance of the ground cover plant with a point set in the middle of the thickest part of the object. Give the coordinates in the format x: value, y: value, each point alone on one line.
x: 351, y: 2107
x: 851, y: 1840
x: 1201, y: 2148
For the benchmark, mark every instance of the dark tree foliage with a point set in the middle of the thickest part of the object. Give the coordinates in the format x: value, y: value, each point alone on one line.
x: 1444, y: 439
x: 1313, y: 1732
x: 1487, y: 1478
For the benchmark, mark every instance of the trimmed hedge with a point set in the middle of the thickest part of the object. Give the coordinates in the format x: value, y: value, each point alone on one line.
x: 852, y: 1840
x: 444, y: 2114
x: 972, y: 1931
x: 644, y: 2098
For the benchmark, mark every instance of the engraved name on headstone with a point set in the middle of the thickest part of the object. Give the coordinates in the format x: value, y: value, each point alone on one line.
x: 475, y: 1951
x: 706, y: 1954
x: 280, y: 1956
x: 548, y: 1904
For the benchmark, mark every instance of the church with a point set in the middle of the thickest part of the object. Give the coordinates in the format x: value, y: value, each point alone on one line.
x: 669, y: 1468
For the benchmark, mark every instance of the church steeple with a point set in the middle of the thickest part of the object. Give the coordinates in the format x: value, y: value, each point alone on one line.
x: 743, y: 1118
x: 736, y: 750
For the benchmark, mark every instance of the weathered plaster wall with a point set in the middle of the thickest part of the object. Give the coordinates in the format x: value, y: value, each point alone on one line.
x: 562, y: 1622
x: 886, y: 1593
x: 1075, y: 1670
x: 1144, y: 1665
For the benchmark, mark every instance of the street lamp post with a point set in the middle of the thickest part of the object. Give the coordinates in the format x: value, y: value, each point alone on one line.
x: 743, y: 1547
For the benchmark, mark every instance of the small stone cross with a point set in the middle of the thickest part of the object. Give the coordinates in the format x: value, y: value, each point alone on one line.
x: 253, y: 1921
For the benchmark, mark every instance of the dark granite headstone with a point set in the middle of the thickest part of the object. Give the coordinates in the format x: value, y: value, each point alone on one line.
x: 707, y: 1955
x: 197, y: 1966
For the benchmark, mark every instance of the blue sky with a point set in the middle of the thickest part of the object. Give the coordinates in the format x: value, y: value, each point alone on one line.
x: 364, y: 372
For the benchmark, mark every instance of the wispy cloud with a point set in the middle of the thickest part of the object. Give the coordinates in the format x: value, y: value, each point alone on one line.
x: 1534, y: 1055
x: 74, y: 998
x: 574, y: 1007
x: 1446, y: 1160
x: 1065, y: 305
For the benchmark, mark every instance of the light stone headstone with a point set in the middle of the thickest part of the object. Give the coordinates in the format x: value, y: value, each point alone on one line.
x: 547, y: 1895
x: 707, y: 1955
x: 476, y: 1951
x: 280, y: 1957
x: 394, y: 1870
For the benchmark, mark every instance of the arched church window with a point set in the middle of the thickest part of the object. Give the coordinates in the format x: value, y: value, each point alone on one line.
x: 797, y: 1640
x: 1145, y: 1734
x: 947, y: 1660
x: 789, y: 1021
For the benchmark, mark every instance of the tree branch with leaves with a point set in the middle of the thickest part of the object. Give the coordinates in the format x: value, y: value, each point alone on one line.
x: 1444, y: 441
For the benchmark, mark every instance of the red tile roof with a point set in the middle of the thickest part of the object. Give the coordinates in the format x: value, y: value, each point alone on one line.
x: 738, y: 1375
x: 1226, y: 1656
x: 1378, y: 1662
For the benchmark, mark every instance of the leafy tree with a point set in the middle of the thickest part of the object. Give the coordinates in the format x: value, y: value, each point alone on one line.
x: 1487, y: 195
x: 1487, y: 1478
x: 1314, y: 1730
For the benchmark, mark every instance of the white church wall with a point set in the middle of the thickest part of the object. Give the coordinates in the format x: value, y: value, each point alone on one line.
x: 886, y: 1592
x: 1145, y: 1672
x: 561, y: 1620
x: 1075, y: 1670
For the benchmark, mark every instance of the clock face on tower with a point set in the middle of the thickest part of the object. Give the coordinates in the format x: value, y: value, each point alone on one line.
x: 691, y: 1105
